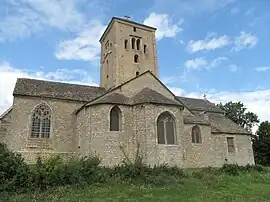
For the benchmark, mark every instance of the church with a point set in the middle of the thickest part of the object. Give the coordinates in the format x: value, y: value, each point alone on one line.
x: 130, y: 111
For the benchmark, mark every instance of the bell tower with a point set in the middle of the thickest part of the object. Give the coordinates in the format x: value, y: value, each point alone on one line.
x: 127, y: 50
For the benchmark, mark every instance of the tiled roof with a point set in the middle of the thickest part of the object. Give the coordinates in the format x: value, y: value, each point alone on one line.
x: 221, y: 124
x: 199, y: 104
x: 51, y: 89
x: 148, y: 95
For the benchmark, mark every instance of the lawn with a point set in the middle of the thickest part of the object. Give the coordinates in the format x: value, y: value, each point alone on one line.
x: 203, y: 187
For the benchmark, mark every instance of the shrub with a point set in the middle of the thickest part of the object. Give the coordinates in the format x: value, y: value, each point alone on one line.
x: 14, y: 172
x: 234, y: 169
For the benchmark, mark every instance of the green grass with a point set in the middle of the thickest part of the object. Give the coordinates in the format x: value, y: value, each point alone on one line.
x: 206, y: 186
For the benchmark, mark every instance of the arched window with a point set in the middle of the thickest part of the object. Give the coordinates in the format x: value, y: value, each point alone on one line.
x: 115, y: 119
x: 126, y: 44
x: 138, y: 44
x: 41, y: 122
x: 133, y: 43
x: 196, y: 134
x: 166, y: 129
x: 136, y: 58
x: 144, y: 48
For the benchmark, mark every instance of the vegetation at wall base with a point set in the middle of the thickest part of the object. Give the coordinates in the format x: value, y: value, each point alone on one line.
x: 53, y: 179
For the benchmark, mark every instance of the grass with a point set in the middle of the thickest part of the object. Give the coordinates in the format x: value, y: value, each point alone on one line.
x: 202, y: 186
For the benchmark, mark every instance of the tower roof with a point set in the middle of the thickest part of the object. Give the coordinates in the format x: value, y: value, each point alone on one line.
x: 125, y: 21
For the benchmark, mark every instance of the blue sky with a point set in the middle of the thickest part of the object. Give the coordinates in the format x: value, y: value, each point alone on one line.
x: 220, y: 48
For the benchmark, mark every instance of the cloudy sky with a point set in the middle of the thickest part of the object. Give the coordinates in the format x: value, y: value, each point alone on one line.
x: 220, y: 48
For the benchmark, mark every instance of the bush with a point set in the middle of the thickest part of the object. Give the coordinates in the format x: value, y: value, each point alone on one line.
x: 234, y: 169
x: 14, y: 172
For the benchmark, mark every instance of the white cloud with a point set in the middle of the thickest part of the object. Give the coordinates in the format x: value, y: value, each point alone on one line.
x: 257, y: 101
x: 196, y: 63
x: 208, y: 43
x: 245, y: 40
x: 202, y: 63
x: 85, y: 46
x: 9, y: 75
x: 166, y: 28
x: 262, y: 69
x: 23, y: 18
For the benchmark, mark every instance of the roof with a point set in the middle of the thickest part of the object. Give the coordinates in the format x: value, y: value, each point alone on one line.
x: 221, y: 124
x: 113, y: 98
x: 148, y: 95
x: 194, y: 104
x: 58, y: 90
x: 195, y: 120
x: 123, y: 20
x: 5, y: 113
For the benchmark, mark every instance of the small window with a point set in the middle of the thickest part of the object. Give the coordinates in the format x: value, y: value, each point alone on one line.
x: 137, y: 73
x: 138, y: 44
x: 230, y: 143
x: 133, y: 43
x: 136, y: 58
x: 166, y: 129
x: 145, y: 48
x: 126, y: 44
x: 196, y: 134
x: 115, y: 117
x: 107, y: 76
x: 134, y: 29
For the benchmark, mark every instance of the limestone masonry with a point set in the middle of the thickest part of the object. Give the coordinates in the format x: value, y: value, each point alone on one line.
x: 131, y: 107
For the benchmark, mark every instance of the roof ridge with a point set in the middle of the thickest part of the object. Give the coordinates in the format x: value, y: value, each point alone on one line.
x: 58, y: 82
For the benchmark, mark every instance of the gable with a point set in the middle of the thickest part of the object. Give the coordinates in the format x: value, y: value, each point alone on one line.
x: 145, y: 80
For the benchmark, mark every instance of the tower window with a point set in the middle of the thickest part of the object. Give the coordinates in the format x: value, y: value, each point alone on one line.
x: 134, y: 29
x: 136, y: 58
x: 137, y: 73
x: 145, y: 48
x: 133, y: 43
x: 126, y: 43
x: 138, y: 44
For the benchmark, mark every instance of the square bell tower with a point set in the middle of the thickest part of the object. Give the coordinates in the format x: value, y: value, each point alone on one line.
x: 127, y: 50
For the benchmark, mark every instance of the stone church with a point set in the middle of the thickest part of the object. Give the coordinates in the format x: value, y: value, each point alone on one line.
x: 130, y: 108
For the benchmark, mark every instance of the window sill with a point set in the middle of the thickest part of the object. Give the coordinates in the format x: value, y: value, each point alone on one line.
x: 197, y: 144
x: 168, y: 145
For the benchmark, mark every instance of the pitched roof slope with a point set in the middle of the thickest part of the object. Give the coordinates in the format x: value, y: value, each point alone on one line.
x: 199, y: 104
x: 221, y: 124
x: 148, y: 95
x: 51, y: 89
x: 113, y: 98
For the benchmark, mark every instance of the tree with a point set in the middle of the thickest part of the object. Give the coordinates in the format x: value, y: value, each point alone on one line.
x: 237, y: 112
x: 261, y: 144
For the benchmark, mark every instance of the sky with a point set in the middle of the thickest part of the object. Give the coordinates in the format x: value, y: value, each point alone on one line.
x: 220, y: 48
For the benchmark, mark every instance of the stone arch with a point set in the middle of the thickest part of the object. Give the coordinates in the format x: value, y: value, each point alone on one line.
x: 166, y: 133
x: 196, y: 134
x: 138, y: 43
x: 136, y: 58
x: 115, y: 119
x: 41, y: 121
x: 133, y: 43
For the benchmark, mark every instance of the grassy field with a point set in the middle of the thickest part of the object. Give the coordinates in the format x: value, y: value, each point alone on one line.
x: 204, y: 186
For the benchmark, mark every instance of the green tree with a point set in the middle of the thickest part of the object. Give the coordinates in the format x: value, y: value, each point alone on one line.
x: 237, y: 112
x: 261, y: 144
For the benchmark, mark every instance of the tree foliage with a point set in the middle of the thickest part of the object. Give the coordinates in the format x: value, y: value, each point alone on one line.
x: 237, y: 112
x: 261, y: 144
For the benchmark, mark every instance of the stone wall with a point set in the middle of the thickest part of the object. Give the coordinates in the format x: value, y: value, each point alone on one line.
x: 63, y: 139
x: 4, y: 125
